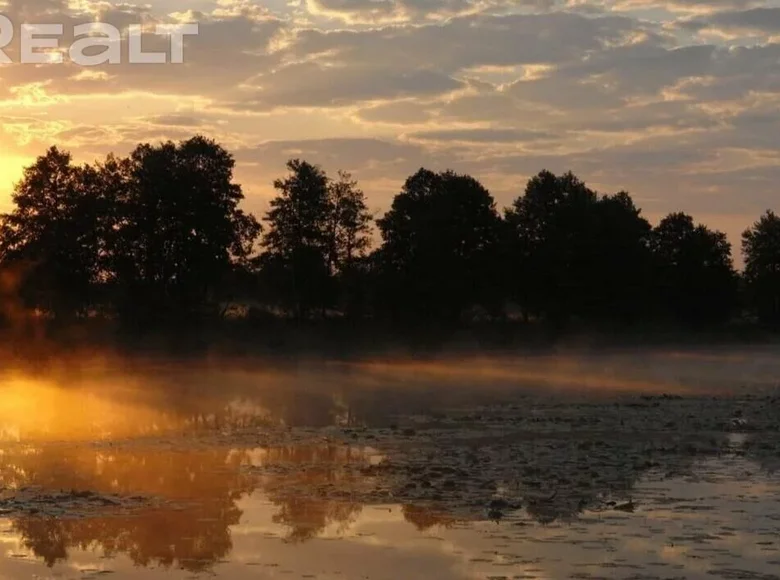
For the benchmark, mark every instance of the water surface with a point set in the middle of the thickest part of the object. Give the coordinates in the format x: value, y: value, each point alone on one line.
x: 554, y: 468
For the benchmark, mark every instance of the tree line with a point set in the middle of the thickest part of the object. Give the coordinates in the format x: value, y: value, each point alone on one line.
x: 158, y: 238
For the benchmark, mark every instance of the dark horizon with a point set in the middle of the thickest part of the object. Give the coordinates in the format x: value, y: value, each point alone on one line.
x: 159, y: 240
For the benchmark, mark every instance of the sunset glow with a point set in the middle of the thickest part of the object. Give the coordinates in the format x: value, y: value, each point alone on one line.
x: 674, y: 102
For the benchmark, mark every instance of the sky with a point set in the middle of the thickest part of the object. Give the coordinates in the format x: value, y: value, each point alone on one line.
x: 674, y: 101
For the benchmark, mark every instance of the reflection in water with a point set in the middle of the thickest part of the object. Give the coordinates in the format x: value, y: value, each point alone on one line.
x: 313, y: 485
x: 196, y: 478
x: 191, y: 497
x: 191, y: 529
x: 424, y: 518
x: 702, y: 526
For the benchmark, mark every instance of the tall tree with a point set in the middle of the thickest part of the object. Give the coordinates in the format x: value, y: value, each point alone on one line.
x: 179, y: 230
x: 551, y: 221
x: 349, y: 222
x: 348, y: 241
x: 56, y: 229
x: 696, y: 281
x: 761, y: 249
x: 318, y: 232
x: 439, y: 242
x: 621, y: 261
x: 575, y: 253
x: 298, y: 248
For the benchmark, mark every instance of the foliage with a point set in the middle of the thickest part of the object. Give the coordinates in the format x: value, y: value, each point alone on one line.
x: 179, y: 229
x: 761, y: 247
x: 317, y: 229
x: 160, y: 229
x: 695, y: 279
x: 159, y: 238
x: 440, y: 242
x: 55, y: 233
x: 577, y: 254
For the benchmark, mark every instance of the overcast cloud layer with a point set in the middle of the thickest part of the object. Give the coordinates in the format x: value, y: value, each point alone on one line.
x: 677, y: 102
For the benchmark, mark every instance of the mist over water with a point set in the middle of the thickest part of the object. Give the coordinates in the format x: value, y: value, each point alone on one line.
x: 151, y: 466
x: 115, y: 396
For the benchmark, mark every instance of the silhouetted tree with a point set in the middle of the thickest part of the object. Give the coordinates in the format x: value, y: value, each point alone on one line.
x: 761, y: 248
x: 158, y: 237
x: 179, y: 229
x: 439, y: 244
x: 550, y: 222
x: 297, y: 245
x: 318, y: 230
x: 349, y: 223
x: 349, y: 230
x: 55, y: 233
x: 575, y: 253
x: 695, y: 279
x: 620, y: 278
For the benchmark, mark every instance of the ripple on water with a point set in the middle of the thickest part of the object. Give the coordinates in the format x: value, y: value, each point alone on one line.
x: 620, y: 488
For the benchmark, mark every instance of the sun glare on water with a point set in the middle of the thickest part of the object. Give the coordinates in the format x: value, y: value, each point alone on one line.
x: 41, y: 410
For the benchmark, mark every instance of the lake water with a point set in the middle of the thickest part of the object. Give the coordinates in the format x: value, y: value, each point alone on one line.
x: 597, y: 467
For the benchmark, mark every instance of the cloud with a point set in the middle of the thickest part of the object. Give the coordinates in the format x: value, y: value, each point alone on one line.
x: 467, y: 42
x: 408, y: 112
x: 176, y: 120
x: 685, y: 6
x: 486, y: 135
x: 311, y: 84
x: 673, y: 100
x: 755, y: 20
x: 335, y: 68
x: 356, y: 12
x: 369, y: 156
